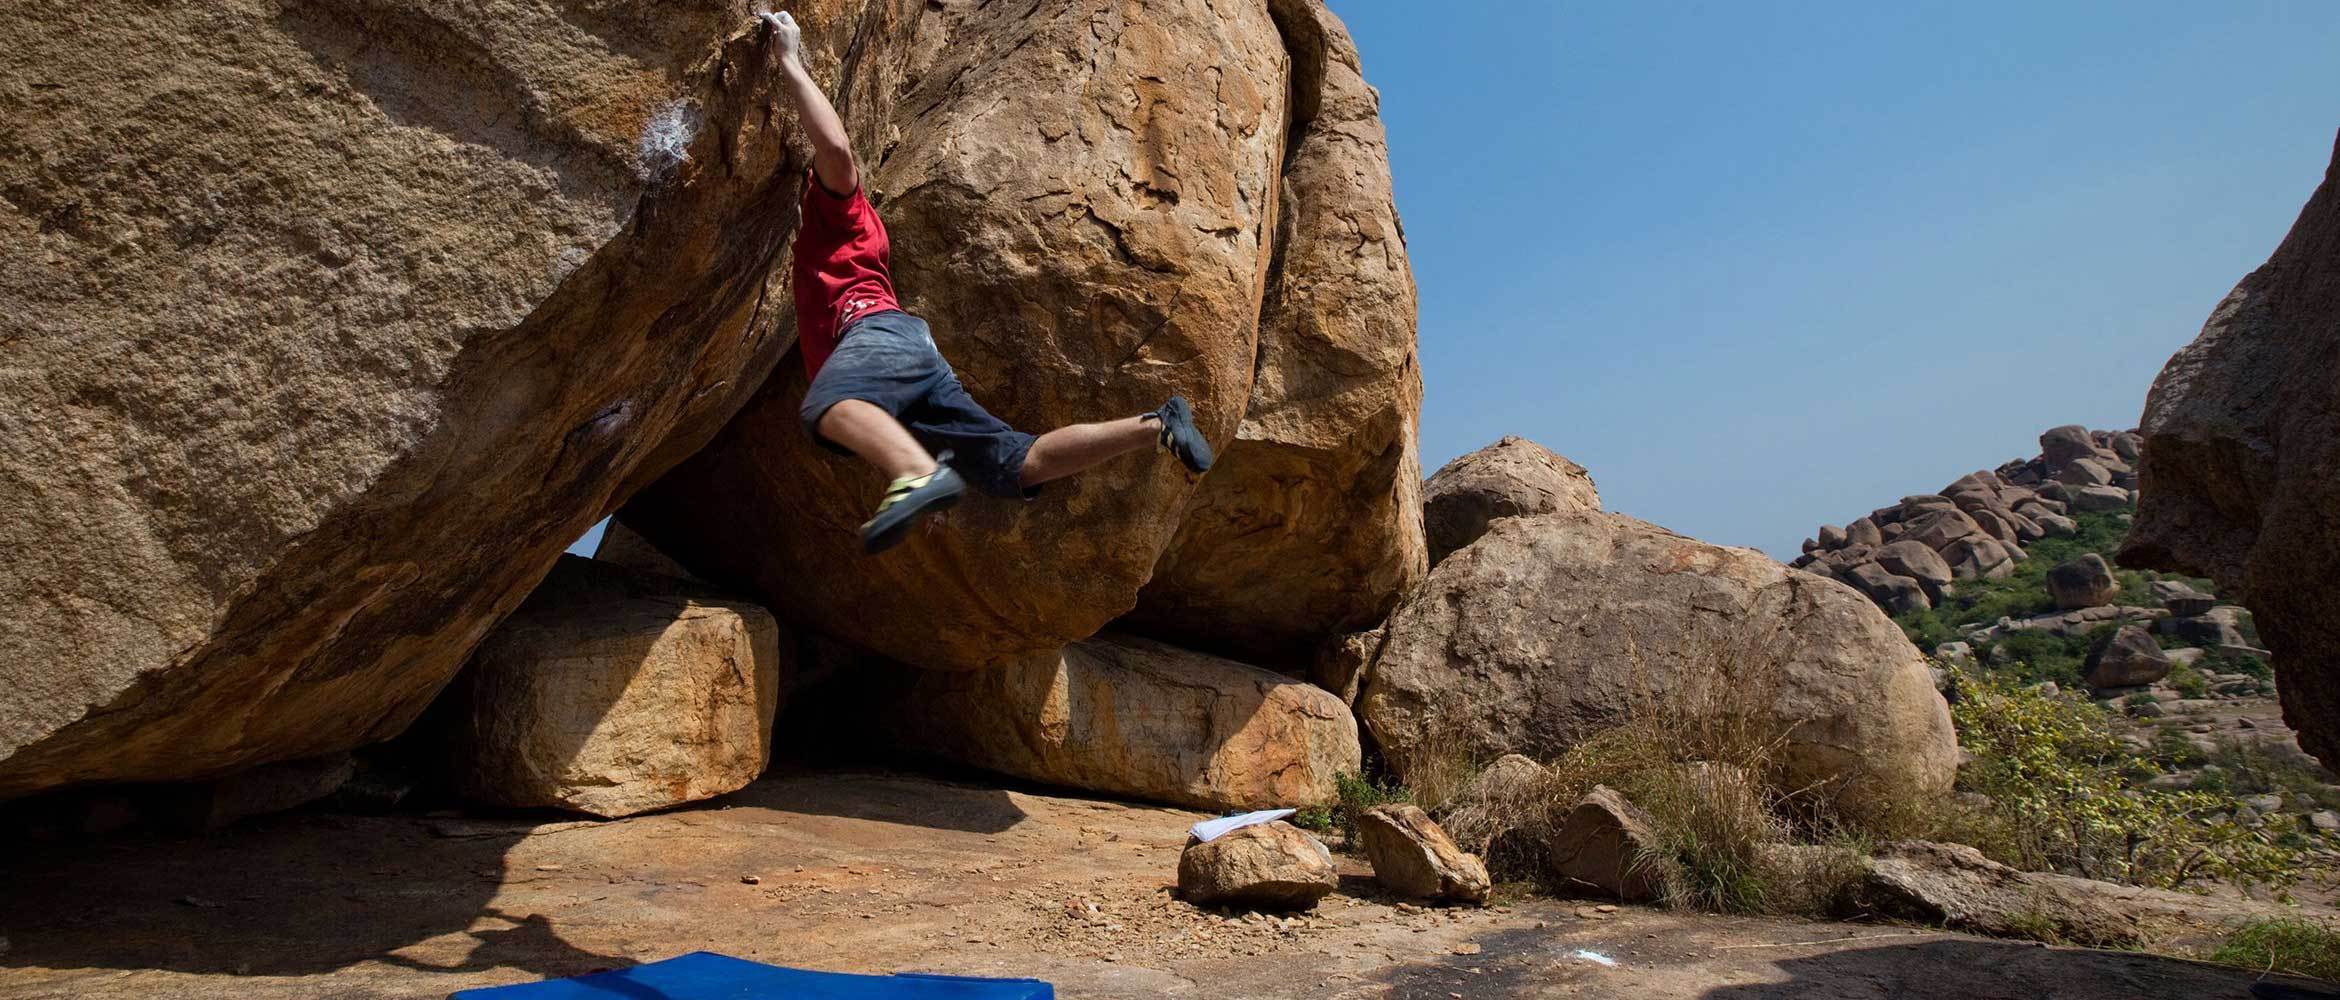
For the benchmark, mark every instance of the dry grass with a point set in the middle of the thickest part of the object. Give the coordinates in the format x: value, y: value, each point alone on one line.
x: 1701, y: 757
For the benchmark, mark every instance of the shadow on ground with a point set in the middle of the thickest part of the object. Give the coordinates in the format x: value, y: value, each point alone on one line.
x: 1539, y: 963
x: 291, y: 896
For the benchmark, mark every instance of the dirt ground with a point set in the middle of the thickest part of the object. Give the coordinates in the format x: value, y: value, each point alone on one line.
x: 884, y: 872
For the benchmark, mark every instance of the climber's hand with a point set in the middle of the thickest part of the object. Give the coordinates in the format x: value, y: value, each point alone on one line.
x: 790, y: 37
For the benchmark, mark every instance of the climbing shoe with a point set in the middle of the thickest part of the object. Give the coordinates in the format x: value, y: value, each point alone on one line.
x: 905, y: 500
x: 1179, y: 436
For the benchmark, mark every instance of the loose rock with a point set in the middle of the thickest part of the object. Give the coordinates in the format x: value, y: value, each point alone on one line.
x: 1270, y: 865
x: 1413, y: 857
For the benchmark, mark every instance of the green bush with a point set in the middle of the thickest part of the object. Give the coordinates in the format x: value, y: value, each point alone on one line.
x: 2034, y: 655
x: 2053, y: 767
x: 2299, y: 947
x: 2188, y: 682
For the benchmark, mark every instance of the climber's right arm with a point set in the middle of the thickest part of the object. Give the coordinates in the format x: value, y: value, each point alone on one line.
x: 832, y: 151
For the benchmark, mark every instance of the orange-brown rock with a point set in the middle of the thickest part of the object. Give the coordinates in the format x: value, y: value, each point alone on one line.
x: 2239, y: 472
x: 1136, y: 718
x: 1553, y: 628
x: 1100, y: 239
x: 1513, y: 477
x: 332, y: 322
x: 1310, y: 524
x: 612, y: 692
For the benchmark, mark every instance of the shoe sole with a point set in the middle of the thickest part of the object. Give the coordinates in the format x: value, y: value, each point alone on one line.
x: 893, y: 534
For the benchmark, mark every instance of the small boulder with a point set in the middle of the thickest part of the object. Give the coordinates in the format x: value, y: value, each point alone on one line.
x: 2218, y: 627
x: 1936, y: 527
x: 1978, y: 557
x: 1274, y: 866
x: 2053, y: 525
x: 1413, y: 857
x: 1607, y: 843
x: 2127, y: 658
x: 2182, y: 601
x: 1863, y: 532
x: 2099, y: 498
x: 2059, y: 447
x: 1896, y: 594
x: 2085, y: 472
x: 1513, y: 477
x: 1906, y: 558
x: 2083, y: 582
x: 611, y: 692
x: 1831, y: 536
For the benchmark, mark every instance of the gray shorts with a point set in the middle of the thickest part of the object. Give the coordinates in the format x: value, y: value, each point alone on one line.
x: 888, y: 359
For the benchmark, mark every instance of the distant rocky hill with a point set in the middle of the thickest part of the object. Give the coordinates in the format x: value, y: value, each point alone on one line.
x: 2008, y: 573
x: 1907, y: 555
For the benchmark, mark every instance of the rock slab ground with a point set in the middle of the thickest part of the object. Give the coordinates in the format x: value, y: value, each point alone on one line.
x: 875, y: 872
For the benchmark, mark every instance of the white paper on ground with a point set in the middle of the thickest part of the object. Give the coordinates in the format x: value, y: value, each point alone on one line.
x: 1212, y: 829
x: 1594, y: 956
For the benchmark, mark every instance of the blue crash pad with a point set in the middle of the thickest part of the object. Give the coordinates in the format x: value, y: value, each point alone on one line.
x: 703, y: 975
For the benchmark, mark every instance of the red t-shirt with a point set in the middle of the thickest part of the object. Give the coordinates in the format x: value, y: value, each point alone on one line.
x: 840, y: 272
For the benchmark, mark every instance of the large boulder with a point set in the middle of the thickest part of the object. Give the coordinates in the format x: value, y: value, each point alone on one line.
x: 612, y: 692
x: 1310, y: 523
x: 1083, y: 249
x: 2084, y: 581
x: 2240, y: 470
x: 1548, y: 629
x: 1136, y: 718
x: 332, y: 323
x: 1514, y: 477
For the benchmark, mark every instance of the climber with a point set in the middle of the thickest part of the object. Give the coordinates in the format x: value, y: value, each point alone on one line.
x: 880, y: 388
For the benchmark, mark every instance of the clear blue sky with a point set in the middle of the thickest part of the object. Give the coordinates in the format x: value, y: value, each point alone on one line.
x: 1761, y: 266
x: 1764, y: 265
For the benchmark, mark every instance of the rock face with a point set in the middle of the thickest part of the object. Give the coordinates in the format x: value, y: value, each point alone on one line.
x: 1134, y: 717
x: 1513, y: 477
x: 1413, y: 857
x: 1310, y: 523
x: 612, y: 693
x: 1106, y: 237
x: 1605, y: 845
x: 2240, y: 471
x: 309, y: 381
x: 1270, y: 866
x: 2083, y: 582
x: 1547, y: 629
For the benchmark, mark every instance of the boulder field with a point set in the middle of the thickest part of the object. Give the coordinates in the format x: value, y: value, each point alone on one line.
x: 315, y: 378
x: 2241, y: 463
x: 294, y: 432
x: 1908, y: 556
